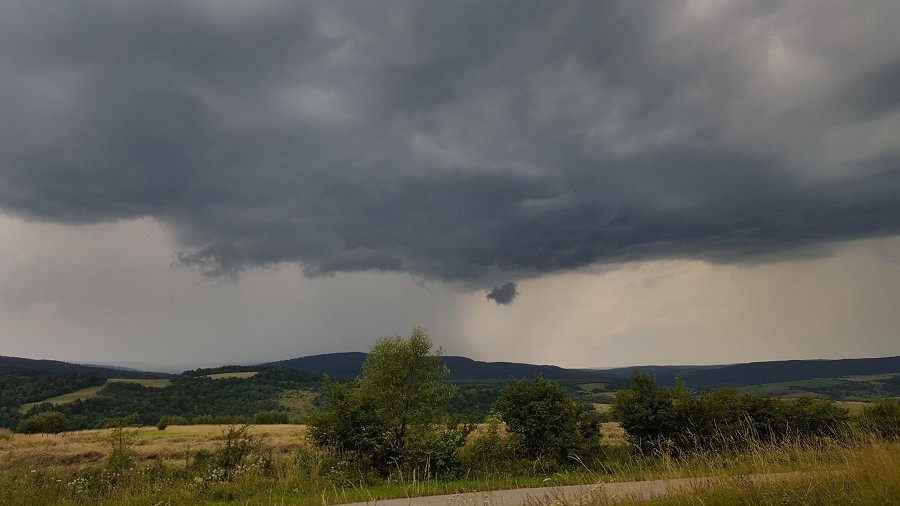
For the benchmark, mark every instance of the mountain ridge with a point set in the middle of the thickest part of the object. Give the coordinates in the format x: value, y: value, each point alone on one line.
x: 348, y: 365
x: 344, y: 366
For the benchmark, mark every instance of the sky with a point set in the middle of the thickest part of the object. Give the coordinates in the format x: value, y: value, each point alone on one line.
x: 586, y: 184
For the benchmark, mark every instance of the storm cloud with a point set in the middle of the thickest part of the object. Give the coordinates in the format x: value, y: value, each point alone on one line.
x: 456, y: 141
x: 504, y: 294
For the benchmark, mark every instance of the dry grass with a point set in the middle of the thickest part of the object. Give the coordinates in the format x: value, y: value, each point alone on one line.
x: 300, y: 401
x: 149, y: 383
x: 612, y: 433
x: 171, y: 446
x: 228, y: 375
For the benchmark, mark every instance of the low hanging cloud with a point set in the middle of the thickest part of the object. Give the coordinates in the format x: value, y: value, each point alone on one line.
x: 539, y: 137
x: 504, y: 294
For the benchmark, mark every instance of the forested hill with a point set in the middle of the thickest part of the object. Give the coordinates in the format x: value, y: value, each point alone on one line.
x: 348, y: 365
x: 788, y: 370
x: 754, y: 373
x: 31, y: 367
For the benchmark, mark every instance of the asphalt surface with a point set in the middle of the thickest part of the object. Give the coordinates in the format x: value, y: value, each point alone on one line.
x: 574, y: 494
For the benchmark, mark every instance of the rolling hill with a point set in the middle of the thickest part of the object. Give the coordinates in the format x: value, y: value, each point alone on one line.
x: 704, y: 377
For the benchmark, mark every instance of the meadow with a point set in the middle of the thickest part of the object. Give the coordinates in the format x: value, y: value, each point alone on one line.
x: 281, y: 467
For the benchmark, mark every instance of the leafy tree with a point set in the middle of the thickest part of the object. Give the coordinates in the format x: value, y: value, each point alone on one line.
x: 50, y: 422
x: 546, y: 422
x: 389, y: 413
x: 810, y: 416
x: 646, y: 412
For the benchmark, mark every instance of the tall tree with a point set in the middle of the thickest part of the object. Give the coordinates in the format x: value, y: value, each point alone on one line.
x: 398, y: 398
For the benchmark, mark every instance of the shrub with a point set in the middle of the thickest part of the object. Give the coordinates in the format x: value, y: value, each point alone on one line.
x: 882, y: 418
x: 271, y: 417
x: 809, y: 416
x: 546, y: 422
x: 490, y: 450
x: 430, y: 453
x: 121, y: 442
x: 646, y: 412
x: 50, y: 422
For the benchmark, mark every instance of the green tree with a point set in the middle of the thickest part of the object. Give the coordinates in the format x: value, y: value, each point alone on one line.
x: 390, y: 412
x: 546, y: 422
x: 647, y: 413
x: 50, y: 422
x: 809, y: 416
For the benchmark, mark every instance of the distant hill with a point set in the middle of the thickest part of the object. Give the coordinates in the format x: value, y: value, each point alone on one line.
x: 787, y: 370
x: 348, y: 365
x: 30, y: 367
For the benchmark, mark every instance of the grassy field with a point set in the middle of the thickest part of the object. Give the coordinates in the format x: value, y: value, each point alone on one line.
x: 71, y: 468
x: 789, y: 389
x: 86, y: 393
x: 71, y: 450
x: 299, y: 401
x: 227, y: 375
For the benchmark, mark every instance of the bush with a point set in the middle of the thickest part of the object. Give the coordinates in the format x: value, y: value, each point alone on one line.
x: 121, y: 442
x: 490, y: 451
x: 49, y: 422
x: 882, y: 418
x: 239, y: 451
x: 809, y: 416
x: 546, y: 423
x: 431, y: 453
x: 647, y: 413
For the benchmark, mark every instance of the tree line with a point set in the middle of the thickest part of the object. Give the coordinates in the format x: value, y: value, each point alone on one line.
x: 192, y: 397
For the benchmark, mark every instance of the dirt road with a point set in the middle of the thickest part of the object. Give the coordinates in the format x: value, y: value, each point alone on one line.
x: 572, y: 494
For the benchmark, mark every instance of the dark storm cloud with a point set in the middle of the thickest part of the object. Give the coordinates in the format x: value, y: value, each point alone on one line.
x: 455, y: 141
x: 504, y: 294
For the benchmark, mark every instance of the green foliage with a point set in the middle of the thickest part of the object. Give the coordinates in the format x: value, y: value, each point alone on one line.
x: 22, y: 387
x: 387, y: 415
x: 189, y: 395
x: 238, y: 453
x: 646, y: 412
x: 121, y: 442
x: 490, y: 451
x: 882, y: 418
x: 546, y: 422
x: 49, y: 422
x: 658, y: 420
x: 810, y: 416
x: 351, y: 424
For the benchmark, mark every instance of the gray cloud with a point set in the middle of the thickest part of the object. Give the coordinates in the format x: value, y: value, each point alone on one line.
x: 454, y: 141
x: 504, y: 294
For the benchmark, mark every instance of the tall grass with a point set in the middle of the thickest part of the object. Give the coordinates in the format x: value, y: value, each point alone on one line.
x: 866, y: 474
x: 860, y: 466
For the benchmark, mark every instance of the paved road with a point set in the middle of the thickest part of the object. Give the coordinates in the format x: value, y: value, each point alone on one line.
x: 572, y: 494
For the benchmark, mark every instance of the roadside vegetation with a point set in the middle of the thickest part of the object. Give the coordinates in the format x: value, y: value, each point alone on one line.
x: 393, y: 432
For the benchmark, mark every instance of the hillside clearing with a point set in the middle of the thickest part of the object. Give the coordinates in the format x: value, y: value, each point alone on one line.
x: 86, y: 393
x: 230, y: 375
